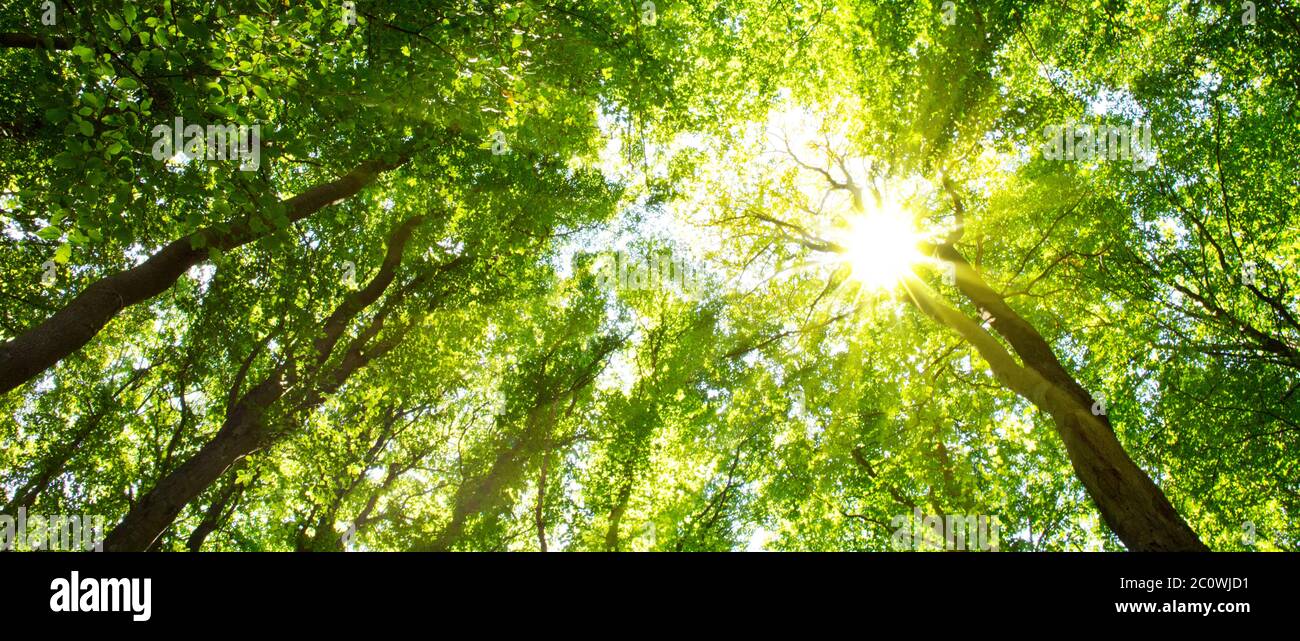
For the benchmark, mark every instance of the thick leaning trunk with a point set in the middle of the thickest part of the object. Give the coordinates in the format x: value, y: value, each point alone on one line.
x: 1024, y: 339
x: 243, y: 432
x: 41, y: 347
x: 245, y: 428
x: 1129, y: 501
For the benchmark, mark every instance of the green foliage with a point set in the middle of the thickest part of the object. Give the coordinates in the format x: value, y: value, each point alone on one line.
x: 524, y: 405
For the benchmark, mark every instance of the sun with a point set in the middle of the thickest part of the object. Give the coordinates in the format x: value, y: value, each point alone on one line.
x: 880, y: 247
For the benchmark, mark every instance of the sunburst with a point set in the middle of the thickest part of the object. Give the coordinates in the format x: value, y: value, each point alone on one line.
x: 880, y: 247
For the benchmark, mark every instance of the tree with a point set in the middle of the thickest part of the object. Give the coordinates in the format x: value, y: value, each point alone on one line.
x: 553, y: 275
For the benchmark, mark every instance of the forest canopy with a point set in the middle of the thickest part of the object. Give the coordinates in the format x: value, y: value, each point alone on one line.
x: 667, y: 275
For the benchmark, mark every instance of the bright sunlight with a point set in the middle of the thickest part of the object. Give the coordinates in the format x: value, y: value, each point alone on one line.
x: 880, y: 247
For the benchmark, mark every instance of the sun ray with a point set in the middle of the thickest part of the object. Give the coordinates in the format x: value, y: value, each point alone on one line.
x: 880, y: 247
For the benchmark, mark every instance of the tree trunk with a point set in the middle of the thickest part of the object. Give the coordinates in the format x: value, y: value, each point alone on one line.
x: 42, y: 346
x: 1028, y: 344
x: 323, y: 537
x: 481, y: 494
x: 616, y: 517
x: 1130, y: 503
x: 243, y: 432
x: 245, y: 428
x: 226, y: 498
x: 57, y: 461
x: 52, y: 467
x: 540, y: 511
